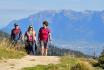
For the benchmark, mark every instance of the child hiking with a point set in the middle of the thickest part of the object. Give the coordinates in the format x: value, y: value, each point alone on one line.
x: 44, y: 37
x: 30, y: 40
x: 16, y: 36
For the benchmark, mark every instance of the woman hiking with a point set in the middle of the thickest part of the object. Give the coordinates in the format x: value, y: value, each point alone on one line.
x: 43, y: 37
x: 30, y: 40
x: 16, y: 36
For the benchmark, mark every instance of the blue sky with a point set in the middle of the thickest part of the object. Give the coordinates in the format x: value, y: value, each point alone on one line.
x: 17, y: 9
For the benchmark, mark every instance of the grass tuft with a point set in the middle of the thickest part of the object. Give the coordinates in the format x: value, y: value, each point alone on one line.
x: 7, y: 50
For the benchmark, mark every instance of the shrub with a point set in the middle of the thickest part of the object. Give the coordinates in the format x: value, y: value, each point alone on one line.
x: 101, y: 61
x: 93, y: 62
x: 81, y: 65
x: 8, y: 52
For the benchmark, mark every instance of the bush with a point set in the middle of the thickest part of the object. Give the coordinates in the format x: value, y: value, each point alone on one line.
x: 93, y: 62
x: 101, y: 61
x: 82, y: 66
x: 8, y: 52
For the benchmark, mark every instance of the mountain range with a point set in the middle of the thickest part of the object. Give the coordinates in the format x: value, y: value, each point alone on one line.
x: 78, y: 30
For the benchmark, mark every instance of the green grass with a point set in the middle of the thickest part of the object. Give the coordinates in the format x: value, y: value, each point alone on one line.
x: 9, y: 53
x: 6, y: 53
x: 98, y: 68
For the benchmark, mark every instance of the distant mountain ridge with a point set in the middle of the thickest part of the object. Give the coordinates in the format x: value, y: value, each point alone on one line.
x: 67, y: 25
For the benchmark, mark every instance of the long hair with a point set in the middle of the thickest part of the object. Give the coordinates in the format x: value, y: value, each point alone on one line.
x: 30, y: 28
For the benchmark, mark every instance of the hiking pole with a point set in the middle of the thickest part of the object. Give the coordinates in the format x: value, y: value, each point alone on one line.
x: 52, y: 45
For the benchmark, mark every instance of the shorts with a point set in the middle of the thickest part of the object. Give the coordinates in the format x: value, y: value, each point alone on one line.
x: 44, y: 43
x: 15, y: 42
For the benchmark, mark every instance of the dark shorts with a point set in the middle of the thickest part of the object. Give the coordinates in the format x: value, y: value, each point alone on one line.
x: 15, y: 42
x: 44, y: 43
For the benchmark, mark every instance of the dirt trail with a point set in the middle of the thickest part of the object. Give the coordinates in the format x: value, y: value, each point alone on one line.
x: 27, y: 61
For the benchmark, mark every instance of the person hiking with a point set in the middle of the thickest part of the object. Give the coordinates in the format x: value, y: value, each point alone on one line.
x: 30, y: 40
x: 44, y: 37
x: 16, y: 35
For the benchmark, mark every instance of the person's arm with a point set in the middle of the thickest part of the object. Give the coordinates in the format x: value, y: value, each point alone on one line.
x: 11, y: 36
x: 20, y: 35
x: 25, y: 37
x: 34, y: 35
x: 49, y: 35
x: 39, y: 35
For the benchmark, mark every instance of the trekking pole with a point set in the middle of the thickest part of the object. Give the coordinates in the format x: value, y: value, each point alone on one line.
x: 53, y: 45
x: 50, y: 47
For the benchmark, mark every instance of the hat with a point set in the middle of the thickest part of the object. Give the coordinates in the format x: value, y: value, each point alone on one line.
x: 15, y: 24
x: 30, y: 26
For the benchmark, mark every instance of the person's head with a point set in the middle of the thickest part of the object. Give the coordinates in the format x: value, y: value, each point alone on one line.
x: 30, y: 28
x: 16, y: 26
x: 45, y: 24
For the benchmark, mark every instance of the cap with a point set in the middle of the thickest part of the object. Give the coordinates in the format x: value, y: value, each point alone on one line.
x: 15, y: 24
x: 30, y: 26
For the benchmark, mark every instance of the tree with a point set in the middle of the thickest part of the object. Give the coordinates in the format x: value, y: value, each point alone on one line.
x: 101, y: 60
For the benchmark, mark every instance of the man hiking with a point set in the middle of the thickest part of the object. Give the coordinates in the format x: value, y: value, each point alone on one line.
x: 16, y: 36
x: 30, y: 40
x: 44, y: 37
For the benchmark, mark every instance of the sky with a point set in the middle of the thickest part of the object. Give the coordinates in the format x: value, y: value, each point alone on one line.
x: 17, y: 9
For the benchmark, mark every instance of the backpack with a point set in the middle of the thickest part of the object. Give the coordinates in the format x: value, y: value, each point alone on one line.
x: 28, y: 37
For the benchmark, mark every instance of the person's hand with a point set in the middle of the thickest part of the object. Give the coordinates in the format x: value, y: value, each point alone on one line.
x: 38, y: 40
x: 50, y: 39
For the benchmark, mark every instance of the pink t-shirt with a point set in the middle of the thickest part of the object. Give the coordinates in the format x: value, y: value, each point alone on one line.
x: 31, y: 36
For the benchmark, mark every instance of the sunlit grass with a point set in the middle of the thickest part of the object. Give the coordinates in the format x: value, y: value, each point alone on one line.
x: 7, y: 50
x: 66, y: 63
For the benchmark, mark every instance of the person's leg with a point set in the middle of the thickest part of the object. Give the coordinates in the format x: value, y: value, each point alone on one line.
x: 13, y: 44
x: 32, y: 49
x: 46, y: 48
x: 46, y: 51
x: 35, y: 48
x: 29, y: 48
x: 42, y: 47
x: 17, y: 45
